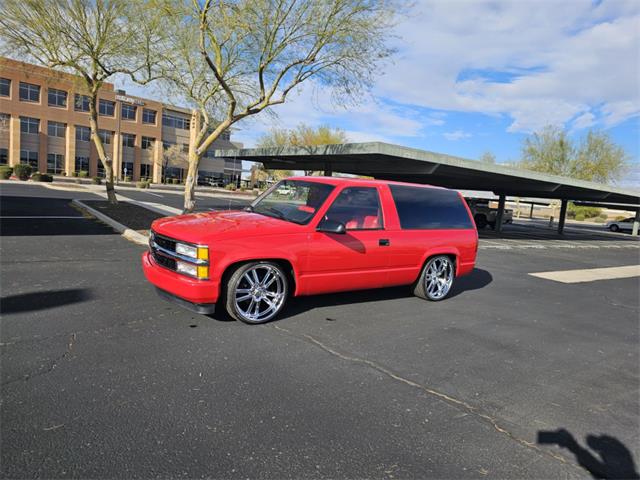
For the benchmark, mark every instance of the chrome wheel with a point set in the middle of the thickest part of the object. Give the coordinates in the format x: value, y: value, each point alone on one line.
x: 438, y: 278
x: 259, y: 293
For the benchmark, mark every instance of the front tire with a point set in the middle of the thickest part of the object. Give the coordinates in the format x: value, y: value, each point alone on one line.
x: 436, y: 279
x: 614, y: 228
x: 256, y: 292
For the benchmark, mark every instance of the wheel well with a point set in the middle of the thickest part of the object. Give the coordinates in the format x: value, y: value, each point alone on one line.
x: 286, y: 266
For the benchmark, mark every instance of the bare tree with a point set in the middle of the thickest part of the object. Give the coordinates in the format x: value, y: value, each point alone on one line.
x: 234, y: 59
x: 174, y: 156
x: 94, y: 39
x: 303, y: 136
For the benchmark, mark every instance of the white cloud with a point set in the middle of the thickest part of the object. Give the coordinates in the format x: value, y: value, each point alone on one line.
x: 539, y: 62
x: 457, y: 135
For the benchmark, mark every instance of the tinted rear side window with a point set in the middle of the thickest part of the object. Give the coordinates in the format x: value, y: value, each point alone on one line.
x: 429, y: 208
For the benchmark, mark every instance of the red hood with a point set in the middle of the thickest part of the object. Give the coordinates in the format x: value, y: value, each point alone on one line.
x: 203, y: 228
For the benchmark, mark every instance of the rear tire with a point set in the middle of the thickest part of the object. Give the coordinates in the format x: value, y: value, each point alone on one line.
x: 481, y: 221
x: 436, y: 279
x: 256, y: 292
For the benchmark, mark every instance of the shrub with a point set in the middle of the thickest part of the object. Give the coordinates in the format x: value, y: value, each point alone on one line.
x: 230, y: 187
x: 83, y: 174
x: 22, y: 171
x: 74, y: 174
x: 127, y: 178
x: 580, y: 217
x: 598, y: 219
x: 619, y: 218
x: 97, y: 180
x: 603, y: 216
x: 175, y: 181
x: 142, y: 184
x: 41, y: 177
x: 5, y: 172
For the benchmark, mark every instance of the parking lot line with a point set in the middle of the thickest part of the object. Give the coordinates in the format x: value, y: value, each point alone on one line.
x: 58, y: 217
x: 590, y: 274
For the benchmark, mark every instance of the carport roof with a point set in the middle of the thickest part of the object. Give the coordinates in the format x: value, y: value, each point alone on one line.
x: 394, y: 162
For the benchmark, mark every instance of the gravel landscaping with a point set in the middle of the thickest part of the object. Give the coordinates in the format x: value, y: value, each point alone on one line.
x: 132, y: 216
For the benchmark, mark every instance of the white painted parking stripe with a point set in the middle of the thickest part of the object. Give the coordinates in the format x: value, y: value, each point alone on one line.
x: 590, y: 274
x: 76, y: 217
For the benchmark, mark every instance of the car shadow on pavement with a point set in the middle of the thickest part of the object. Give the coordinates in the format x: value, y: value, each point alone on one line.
x: 43, y: 300
x: 477, y: 279
x: 610, y: 457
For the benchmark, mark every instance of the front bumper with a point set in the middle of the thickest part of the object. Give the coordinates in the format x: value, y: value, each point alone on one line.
x: 201, y: 308
x: 197, y: 292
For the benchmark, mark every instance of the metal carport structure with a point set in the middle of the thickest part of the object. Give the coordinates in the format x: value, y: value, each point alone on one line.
x: 394, y: 162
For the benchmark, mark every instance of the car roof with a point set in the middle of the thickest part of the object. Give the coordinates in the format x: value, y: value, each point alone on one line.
x: 336, y: 181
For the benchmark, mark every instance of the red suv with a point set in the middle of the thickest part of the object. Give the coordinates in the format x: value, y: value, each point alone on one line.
x: 312, y: 235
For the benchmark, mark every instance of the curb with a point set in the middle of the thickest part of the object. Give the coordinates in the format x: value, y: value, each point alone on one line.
x: 126, y: 232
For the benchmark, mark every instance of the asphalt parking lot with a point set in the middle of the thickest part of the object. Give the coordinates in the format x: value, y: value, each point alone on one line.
x: 513, y: 376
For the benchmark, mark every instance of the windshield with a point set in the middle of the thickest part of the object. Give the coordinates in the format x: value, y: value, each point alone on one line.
x: 295, y: 201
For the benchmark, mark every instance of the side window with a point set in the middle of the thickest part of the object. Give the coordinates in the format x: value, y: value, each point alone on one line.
x: 358, y: 208
x: 423, y: 208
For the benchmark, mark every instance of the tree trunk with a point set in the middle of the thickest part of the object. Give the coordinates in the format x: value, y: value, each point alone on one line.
x: 191, y: 181
x: 106, y: 161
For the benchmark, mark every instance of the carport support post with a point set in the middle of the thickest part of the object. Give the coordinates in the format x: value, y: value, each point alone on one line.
x: 328, y: 171
x: 636, y: 224
x: 563, y: 214
x: 531, y: 211
x: 500, y: 214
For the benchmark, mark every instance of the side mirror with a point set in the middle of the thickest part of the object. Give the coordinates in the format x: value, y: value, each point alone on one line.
x: 331, y: 226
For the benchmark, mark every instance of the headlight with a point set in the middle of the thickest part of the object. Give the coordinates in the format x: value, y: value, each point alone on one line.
x: 197, y: 271
x: 201, y: 253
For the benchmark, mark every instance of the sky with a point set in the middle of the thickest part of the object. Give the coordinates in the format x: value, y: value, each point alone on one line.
x: 479, y: 76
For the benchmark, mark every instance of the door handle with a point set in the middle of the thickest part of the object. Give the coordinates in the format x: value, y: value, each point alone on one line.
x: 384, y: 242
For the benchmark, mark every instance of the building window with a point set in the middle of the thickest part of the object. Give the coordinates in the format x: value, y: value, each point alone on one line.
x: 105, y: 136
x: 29, y: 125
x: 147, y: 143
x: 173, y: 172
x: 57, y: 98
x: 100, y: 169
x: 83, y: 134
x: 148, y: 116
x: 29, y: 92
x: 167, y: 145
x: 4, y: 156
x: 55, y: 163
x: 106, y: 108
x: 56, y: 129
x: 127, y: 169
x: 129, y: 112
x: 145, y: 171
x: 226, y: 135
x: 4, y: 121
x: 128, y: 140
x: 174, y: 121
x: 81, y: 103
x: 29, y: 158
x: 5, y: 87
x: 82, y: 164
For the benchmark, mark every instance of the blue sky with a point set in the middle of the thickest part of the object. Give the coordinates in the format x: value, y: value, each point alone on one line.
x: 477, y: 76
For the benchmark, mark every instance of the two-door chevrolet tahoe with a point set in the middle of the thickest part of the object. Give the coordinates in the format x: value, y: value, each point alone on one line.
x: 310, y: 235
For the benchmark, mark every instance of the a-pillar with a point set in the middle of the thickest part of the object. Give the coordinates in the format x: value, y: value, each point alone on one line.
x: 563, y: 215
x: 636, y: 224
x: 500, y: 213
